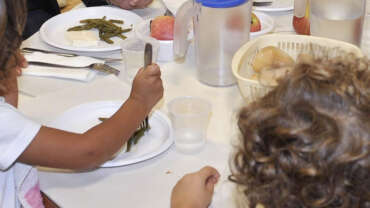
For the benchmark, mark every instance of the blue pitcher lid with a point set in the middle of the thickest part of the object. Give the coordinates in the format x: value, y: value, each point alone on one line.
x: 221, y: 3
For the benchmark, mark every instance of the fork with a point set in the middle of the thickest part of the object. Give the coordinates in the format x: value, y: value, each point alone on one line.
x: 148, y: 54
x: 96, y: 66
x: 31, y: 50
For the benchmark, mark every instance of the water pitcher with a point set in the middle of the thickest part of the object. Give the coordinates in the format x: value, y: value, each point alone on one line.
x: 220, y: 27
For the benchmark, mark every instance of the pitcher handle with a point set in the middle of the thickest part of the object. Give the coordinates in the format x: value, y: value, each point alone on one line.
x: 180, y: 40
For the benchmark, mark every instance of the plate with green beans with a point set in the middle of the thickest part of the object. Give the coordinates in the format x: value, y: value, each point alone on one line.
x: 92, y: 29
x: 144, y: 144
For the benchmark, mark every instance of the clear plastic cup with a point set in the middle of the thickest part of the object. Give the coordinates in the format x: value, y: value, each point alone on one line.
x: 133, y: 55
x: 190, y: 117
x: 339, y: 19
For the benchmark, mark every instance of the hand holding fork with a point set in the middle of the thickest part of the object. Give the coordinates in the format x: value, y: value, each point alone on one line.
x: 147, y: 86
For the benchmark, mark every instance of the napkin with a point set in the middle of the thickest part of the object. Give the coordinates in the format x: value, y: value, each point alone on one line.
x: 65, y: 73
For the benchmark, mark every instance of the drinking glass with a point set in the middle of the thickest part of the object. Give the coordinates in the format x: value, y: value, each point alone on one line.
x: 190, y: 118
x: 338, y: 19
x: 133, y: 55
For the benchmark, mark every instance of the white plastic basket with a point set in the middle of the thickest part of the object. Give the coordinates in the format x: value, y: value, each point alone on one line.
x: 291, y: 44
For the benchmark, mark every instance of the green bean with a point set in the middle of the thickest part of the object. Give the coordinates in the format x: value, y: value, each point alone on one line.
x: 129, y: 144
x: 134, y: 139
x: 138, y: 135
x: 102, y: 119
x: 116, y: 21
x: 107, y: 28
x: 122, y: 36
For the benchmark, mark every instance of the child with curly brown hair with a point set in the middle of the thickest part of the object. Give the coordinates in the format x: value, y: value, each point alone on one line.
x: 306, y: 144
x: 25, y: 143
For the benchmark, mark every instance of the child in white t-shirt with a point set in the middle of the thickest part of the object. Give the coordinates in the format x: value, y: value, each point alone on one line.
x: 25, y: 143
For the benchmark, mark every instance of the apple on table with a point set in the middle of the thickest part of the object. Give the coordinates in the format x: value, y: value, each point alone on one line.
x: 162, y: 27
x: 255, y: 23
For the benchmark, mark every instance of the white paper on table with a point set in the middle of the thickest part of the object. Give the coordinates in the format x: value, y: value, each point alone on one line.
x: 65, y: 73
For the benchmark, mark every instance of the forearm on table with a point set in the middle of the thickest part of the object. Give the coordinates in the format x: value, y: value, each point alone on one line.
x: 120, y: 126
x: 95, y: 2
x: 61, y: 149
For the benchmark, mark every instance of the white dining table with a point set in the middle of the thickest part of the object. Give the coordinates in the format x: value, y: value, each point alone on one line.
x: 148, y: 183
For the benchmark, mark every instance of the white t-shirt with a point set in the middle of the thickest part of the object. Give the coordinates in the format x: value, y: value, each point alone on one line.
x: 19, y: 186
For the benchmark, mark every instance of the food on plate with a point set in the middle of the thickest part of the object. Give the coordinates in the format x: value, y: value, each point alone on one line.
x: 138, y: 134
x: 83, y: 38
x: 271, y: 57
x: 162, y: 27
x: 255, y: 23
x: 107, y: 28
x: 271, y: 63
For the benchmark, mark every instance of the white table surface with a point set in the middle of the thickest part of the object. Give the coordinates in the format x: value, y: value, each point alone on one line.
x: 149, y: 183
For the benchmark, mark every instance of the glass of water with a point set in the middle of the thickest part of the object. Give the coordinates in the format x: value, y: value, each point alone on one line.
x: 133, y: 55
x: 190, y: 117
x: 338, y: 19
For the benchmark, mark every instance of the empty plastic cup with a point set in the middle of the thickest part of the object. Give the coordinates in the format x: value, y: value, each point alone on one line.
x: 190, y: 117
x: 133, y: 55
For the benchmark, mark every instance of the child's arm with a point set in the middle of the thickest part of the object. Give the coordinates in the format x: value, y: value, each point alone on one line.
x: 61, y: 149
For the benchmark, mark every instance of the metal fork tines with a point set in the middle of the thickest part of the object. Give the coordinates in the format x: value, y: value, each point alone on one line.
x: 96, y: 66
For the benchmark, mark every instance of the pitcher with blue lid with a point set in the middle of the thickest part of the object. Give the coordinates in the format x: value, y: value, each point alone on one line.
x: 221, y: 27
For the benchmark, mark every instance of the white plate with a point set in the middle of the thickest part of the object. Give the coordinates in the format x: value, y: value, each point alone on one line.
x: 54, y: 30
x: 276, y: 6
x: 267, y: 24
x: 156, y: 141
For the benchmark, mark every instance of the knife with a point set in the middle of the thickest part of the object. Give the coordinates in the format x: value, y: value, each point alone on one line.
x: 31, y: 50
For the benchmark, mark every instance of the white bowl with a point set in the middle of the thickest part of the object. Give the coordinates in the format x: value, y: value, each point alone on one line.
x: 165, y: 52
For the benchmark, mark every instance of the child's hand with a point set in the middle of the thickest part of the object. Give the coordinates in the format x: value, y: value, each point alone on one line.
x: 147, y: 86
x: 195, y: 190
x: 131, y: 4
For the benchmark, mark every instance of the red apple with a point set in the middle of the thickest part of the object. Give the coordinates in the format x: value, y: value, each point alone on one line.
x: 255, y: 23
x: 162, y: 27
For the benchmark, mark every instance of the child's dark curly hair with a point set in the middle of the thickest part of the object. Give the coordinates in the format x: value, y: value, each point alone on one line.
x: 306, y: 144
x: 13, y: 15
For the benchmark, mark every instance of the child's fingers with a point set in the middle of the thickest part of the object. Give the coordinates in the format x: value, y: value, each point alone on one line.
x: 210, y: 183
x: 207, y: 172
x: 153, y: 70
